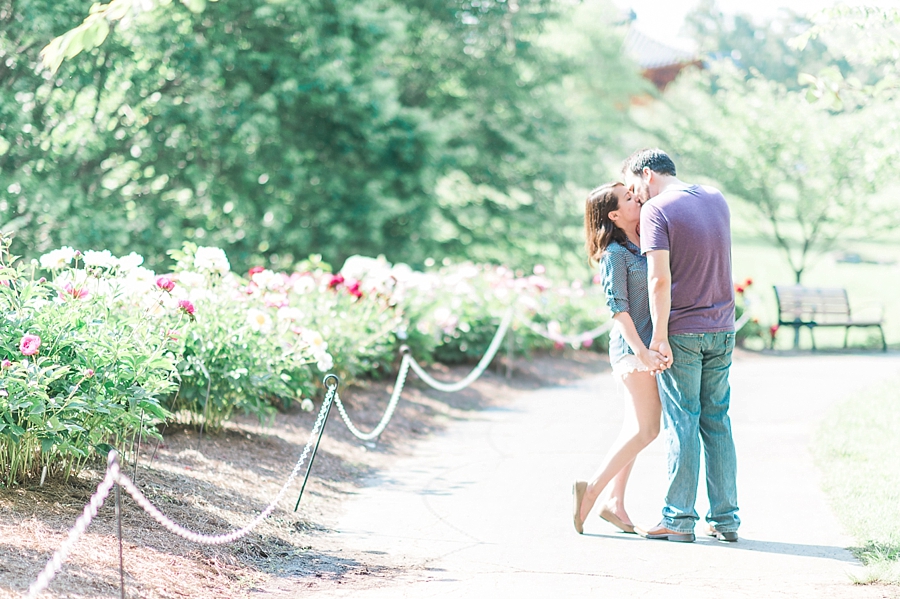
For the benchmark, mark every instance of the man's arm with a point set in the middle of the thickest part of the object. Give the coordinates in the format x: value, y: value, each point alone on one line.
x: 659, y: 280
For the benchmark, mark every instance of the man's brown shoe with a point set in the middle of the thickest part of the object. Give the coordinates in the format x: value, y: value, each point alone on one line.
x: 661, y: 532
x: 730, y: 537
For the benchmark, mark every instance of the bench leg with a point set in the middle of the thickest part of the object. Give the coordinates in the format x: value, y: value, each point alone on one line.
x: 812, y: 338
x: 846, y: 334
x: 883, y: 342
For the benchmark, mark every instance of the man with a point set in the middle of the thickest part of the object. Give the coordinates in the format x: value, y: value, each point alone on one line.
x: 686, y: 236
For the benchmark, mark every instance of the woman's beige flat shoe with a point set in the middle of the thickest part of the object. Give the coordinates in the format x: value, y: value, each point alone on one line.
x: 578, y: 490
x: 610, y: 516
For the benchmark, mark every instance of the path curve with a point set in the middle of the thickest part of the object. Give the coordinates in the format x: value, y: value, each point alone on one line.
x: 483, y: 509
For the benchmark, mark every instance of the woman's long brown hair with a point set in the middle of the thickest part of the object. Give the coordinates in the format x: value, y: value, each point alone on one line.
x: 599, y: 229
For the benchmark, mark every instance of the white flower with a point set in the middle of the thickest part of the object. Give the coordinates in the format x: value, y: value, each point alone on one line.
x: 324, y: 362
x: 103, y: 259
x: 191, y: 279
x: 307, y: 405
x: 304, y: 284
x: 139, y: 274
x: 211, y: 260
x: 130, y: 262
x: 267, y: 279
x: 57, y: 258
x: 258, y: 320
x: 314, y: 340
x: 357, y: 267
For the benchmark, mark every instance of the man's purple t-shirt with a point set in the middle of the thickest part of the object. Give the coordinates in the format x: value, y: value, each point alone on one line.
x: 694, y: 225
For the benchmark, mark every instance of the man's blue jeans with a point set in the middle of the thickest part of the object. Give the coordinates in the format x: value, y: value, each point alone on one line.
x: 695, y: 394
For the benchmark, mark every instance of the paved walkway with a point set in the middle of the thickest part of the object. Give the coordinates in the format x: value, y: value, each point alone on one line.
x: 484, y: 509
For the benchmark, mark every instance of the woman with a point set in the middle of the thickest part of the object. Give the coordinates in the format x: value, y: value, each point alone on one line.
x: 611, y: 218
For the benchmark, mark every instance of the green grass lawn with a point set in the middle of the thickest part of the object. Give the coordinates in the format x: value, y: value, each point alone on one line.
x: 858, y: 449
x: 868, y: 286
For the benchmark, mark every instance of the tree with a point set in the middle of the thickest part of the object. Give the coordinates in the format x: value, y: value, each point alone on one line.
x: 765, y: 47
x: 809, y: 174
x: 276, y: 130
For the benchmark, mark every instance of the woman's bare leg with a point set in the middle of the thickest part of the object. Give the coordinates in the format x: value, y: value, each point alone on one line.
x: 615, y: 499
x: 640, y: 428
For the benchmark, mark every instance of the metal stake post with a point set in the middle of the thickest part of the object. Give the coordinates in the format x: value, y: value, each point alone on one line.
x: 119, y: 527
x: 332, y: 388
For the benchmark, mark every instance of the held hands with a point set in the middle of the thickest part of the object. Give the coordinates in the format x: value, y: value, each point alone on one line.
x: 653, y: 360
x: 661, y: 348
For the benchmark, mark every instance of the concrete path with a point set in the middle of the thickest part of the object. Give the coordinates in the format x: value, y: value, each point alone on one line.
x: 484, y: 509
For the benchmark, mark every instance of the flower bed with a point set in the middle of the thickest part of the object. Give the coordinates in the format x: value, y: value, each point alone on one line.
x: 98, y: 351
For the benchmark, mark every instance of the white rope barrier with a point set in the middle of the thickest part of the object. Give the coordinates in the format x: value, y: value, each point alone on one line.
x: 389, y: 411
x: 479, y: 368
x: 114, y: 475
x: 81, y: 524
x: 570, y: 339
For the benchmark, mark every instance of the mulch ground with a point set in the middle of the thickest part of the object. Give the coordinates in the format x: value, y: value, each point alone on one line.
x: 220, y: 482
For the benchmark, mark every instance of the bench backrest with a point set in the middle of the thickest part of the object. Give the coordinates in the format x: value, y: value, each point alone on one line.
x: 811, y: 304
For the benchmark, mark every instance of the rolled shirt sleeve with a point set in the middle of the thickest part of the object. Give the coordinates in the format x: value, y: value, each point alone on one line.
x: 614, y: 274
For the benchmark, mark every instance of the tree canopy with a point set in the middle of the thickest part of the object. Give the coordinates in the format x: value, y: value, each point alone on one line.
x: 412, y: 128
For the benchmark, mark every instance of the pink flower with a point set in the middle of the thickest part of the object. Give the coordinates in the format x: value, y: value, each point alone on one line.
x: 597, y: 279
x: 773, y: 330
x: 88, y: 373
x: 172, y: 334
x: 335, y: 280
x: 29, y: 345
x: 75, y: 291
x: 558, y: 345
x: 254, y: 270
x: 5, y: 364
x: 5, y: 283
x: 539, y: 269
x: 41, y: 281
x: 353, y: 289
x: 587, y: 343
x: 165, y: 283
x: 186, y: 307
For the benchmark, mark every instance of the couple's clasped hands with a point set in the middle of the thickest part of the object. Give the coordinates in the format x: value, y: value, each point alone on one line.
x: 657, y: 357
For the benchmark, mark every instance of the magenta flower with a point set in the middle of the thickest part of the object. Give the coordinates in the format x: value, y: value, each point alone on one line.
x: 75, y: 291
x: 353, y: 289
x: 29, y: 345
x: 165, y: 283
x: 335, y: 280
x: 88, y: 373
x: 186, y: 307
x: 5, y: 364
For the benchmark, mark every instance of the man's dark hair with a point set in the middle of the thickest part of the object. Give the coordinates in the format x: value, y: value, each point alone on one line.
x: 653, y: 158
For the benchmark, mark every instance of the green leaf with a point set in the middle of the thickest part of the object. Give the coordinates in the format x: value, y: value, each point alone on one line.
x: 104, y: 448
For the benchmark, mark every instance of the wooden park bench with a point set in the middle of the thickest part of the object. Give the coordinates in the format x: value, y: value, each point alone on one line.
x: 811, y: 307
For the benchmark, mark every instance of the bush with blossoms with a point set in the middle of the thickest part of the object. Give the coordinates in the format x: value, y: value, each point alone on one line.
x: 98, y: 350
x: 78, y: 373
